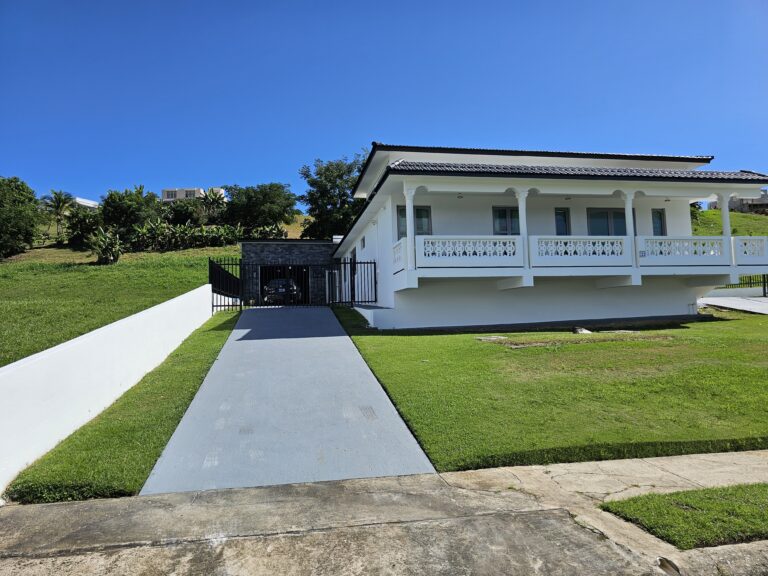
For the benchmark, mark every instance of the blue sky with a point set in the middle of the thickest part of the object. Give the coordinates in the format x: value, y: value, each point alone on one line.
x: 102, y: 95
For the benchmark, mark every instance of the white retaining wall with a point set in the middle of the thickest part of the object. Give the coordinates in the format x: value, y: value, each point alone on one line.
x: 47, y: 396
x: 478, y: 301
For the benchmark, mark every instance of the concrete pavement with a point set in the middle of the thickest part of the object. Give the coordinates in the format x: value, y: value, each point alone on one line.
x: 515, y: 520
x: 579, y: 487
x: 288, y: 400
x: 415, y: 525
x: 753, y: 304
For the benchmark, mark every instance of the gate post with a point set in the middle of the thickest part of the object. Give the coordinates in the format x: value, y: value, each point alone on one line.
x: 242, y: 284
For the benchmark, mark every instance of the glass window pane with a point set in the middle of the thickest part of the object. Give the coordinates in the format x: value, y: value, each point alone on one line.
x: 619, y: 223
x: 423, y: 224
x: 500, y: 227
x: 659, y: 225
x: 514, y: 221
x: 562, y: 222
x: 598, y: 222
x: 401, y: 222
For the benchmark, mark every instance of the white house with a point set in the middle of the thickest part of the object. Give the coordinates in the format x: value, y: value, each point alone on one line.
x: 173, y: 194
x: 465, y: 236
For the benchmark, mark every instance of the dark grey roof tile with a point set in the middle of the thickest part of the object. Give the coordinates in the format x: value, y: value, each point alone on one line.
x: 575, y: 172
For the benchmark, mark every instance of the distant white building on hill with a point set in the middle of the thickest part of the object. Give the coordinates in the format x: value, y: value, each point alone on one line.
x: 173, y: 194
x: 85, y: 203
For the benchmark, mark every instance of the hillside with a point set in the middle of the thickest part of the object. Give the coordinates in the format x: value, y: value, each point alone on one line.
x: 741, y: 224
x: 294, y: 229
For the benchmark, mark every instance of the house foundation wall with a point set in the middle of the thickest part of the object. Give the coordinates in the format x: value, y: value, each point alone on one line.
x: 478, y: 302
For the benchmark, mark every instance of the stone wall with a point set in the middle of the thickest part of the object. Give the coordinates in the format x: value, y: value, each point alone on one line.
x: 289, y: 252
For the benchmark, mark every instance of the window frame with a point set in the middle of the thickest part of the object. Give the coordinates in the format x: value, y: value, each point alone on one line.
x: 416, y: 232
x: 663, y: 212
x: 568, y: 229
x: 509, y: 211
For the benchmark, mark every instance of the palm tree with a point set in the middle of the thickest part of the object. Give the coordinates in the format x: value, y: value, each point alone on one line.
x: 213, y: 202
x: 58, y: 204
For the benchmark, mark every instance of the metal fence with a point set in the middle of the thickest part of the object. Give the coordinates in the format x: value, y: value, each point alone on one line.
x: 239, y: 284
x: 752, y: 281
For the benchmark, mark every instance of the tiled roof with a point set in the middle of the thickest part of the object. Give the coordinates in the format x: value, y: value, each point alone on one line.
x: 575, y: 172
x: 549, y: 153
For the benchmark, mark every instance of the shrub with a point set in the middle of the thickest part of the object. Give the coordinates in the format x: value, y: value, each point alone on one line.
x: 106, y: 246
x: 186, y: 211
x: 81, y: 224
x: 122, y: 211
x: 19, y: 216
x: 161, y: 237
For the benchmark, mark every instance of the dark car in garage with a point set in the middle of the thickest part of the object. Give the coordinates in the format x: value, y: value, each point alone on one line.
x: 281, y: 291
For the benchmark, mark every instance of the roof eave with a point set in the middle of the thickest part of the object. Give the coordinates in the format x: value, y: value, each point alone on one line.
x: 539, y: 176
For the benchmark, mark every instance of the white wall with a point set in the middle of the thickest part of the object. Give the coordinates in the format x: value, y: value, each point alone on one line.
x: 47, y: 396
x: 471, y: 301
x: 472, y: 214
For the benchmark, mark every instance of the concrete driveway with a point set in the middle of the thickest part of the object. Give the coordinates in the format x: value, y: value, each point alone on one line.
x: 288, y: 400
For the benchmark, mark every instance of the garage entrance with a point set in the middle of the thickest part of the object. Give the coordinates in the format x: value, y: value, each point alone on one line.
x: 239, y: 284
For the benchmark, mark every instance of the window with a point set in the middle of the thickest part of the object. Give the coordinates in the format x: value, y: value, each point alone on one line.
x: 189, y: 194
x: 506, y: 221
x: 659, y: 219
x: 422, y: 216
x: 563, y: 221
x: 171, y: 194
x: 362, y: 243
x: 606, y: 222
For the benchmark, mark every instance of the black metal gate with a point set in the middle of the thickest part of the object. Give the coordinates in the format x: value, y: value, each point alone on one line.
x: 239, y: 284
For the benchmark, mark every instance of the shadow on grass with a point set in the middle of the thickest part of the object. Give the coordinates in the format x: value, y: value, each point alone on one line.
x: 356, y: 325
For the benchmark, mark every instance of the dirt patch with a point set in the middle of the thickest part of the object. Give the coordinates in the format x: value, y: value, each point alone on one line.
x: 515, y: 344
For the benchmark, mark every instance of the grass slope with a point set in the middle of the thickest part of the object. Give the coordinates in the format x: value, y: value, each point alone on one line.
x: 114, y: 453
x: 696, y: 518
x: 709, y: 224
x: 474, y: 404
x: 50, y: 295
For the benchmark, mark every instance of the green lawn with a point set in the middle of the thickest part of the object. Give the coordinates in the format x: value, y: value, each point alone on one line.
x: 709, y: 224
x: 696, y: 518
x: 114, y: 453
x: 473, y: 404
x: 50, y: 295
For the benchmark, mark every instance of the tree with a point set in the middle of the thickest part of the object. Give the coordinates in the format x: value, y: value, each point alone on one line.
x: 58, y: 204
x: 329, y: 198
x: 213, y: 204
x: 19, y: 216
x: 124, y: 210
x: 695, y: 211
x: 81, y: 224
x: 260, y: 207
x: 186, y: 210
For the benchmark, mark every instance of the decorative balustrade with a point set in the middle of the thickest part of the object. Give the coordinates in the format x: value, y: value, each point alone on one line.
x: 751, y: 250
x: 398, y: 250
x: 579, y: 251
x: 682, y: 251
x: 469, y: 251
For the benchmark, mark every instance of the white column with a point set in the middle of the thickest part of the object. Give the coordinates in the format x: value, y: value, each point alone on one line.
x: 629, y: 222
x: 724, y: 202
x: 522, y: 212
x: 410, y: 238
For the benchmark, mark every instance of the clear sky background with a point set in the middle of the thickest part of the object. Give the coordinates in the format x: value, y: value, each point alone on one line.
x: 105, y: 94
